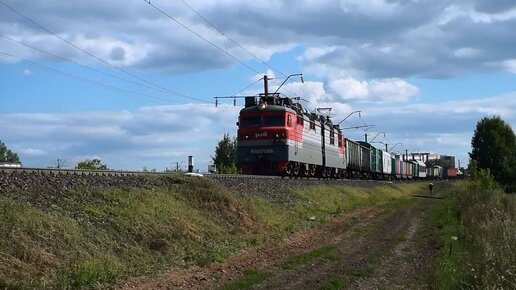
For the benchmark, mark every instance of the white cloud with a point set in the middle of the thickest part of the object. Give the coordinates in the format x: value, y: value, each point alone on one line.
x: 369, y: 38
x: 467, y: 52
x: 31, y: 152
x: 509, y: 65
x: 389, y: 89
x: 368, y: 7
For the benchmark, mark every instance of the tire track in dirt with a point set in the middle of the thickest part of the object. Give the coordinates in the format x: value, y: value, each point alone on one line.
x: 377, y: 249
x: 382, y: 254
x: 267, y: 257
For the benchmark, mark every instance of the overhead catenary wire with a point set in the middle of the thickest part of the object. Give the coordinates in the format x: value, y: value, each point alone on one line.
x: 252, y: 84
x: 231, y: 39
x: 235, y: 95
x: 81, y: 65
x: 100, y: 59
x: 237, y: 44
x: 201, y: 37
x: 94, y: 82
x: 213, y: 44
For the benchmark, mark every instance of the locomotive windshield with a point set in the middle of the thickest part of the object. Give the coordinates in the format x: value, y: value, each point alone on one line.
x: 274, y: 121
x: 251, y: 122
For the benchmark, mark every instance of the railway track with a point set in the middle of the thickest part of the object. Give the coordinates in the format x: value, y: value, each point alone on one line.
x: 56, y: 171
x: 60, y: 171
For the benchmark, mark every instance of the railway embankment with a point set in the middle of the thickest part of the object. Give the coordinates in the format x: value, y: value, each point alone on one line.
x: 94, y: 231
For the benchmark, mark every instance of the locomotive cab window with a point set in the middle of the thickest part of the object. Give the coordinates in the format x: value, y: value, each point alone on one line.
x: 250, y: 122
x: 300, y: 120
x: 274, y: 121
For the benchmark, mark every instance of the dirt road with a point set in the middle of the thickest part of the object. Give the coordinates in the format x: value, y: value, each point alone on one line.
x: 382, y: 247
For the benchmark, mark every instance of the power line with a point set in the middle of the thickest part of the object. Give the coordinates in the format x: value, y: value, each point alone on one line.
x: 200, y: 36
x: 247, y: 87
x: 83, y: 78
x: 237, y: 44
x: 231, y: 39
x: 100, y: 59
x: 81, y: 65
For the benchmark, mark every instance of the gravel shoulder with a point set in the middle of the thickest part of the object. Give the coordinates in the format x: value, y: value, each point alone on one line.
x: 381, y: 247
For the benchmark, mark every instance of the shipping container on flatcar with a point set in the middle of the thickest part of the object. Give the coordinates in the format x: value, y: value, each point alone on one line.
x: 375, y: 159
x: 387, y: 165
x: 415, y: 169
x: 400, y: 170
x: 422, y: 169
x: 435, y: 172
x: 353, y: 157
x: 365, y: 162
x: 451, y: 173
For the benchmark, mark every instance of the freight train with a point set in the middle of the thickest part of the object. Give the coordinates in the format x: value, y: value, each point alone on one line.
x: 277, y: 136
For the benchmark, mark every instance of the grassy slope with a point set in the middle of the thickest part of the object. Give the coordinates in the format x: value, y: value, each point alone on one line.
x: 93, y: 239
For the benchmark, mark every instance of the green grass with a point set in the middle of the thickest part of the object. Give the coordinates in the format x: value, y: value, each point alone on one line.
x: 251, y: 277
x: 335, y: 283
x: 339, y: 199
x: 477, y: 230
x: 448, y: 269
x: 399, y: 238
x: 94, y: 239
x: 328, y: 252
x: 364, y: 272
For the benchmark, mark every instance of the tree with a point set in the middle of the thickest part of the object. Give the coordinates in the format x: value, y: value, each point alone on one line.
x: 7, y: 155
x: 225, y: 155
x: 494, y: 147
x: 94, y: 164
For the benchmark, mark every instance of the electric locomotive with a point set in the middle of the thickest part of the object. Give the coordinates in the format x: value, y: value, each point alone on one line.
x: 277, y: 136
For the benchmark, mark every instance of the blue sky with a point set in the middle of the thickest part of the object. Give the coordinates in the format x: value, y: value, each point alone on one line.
x: 423, y: 71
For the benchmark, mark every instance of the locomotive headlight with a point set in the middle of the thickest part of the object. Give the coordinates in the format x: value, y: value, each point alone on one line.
x: 262, y: 105
x: 277, y: 135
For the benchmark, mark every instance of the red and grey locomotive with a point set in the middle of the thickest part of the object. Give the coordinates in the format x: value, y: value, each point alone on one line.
x: 279, y: 137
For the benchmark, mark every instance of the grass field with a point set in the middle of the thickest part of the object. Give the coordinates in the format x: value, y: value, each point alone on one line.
x: 96, y: 239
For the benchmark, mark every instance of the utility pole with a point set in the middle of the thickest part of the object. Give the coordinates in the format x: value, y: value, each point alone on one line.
x: 177, y: 164
x: 365, y: 137
x: 266, y: 85
x: 60, y: 163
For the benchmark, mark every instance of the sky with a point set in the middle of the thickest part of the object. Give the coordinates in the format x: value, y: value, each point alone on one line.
x: 133, y: 83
